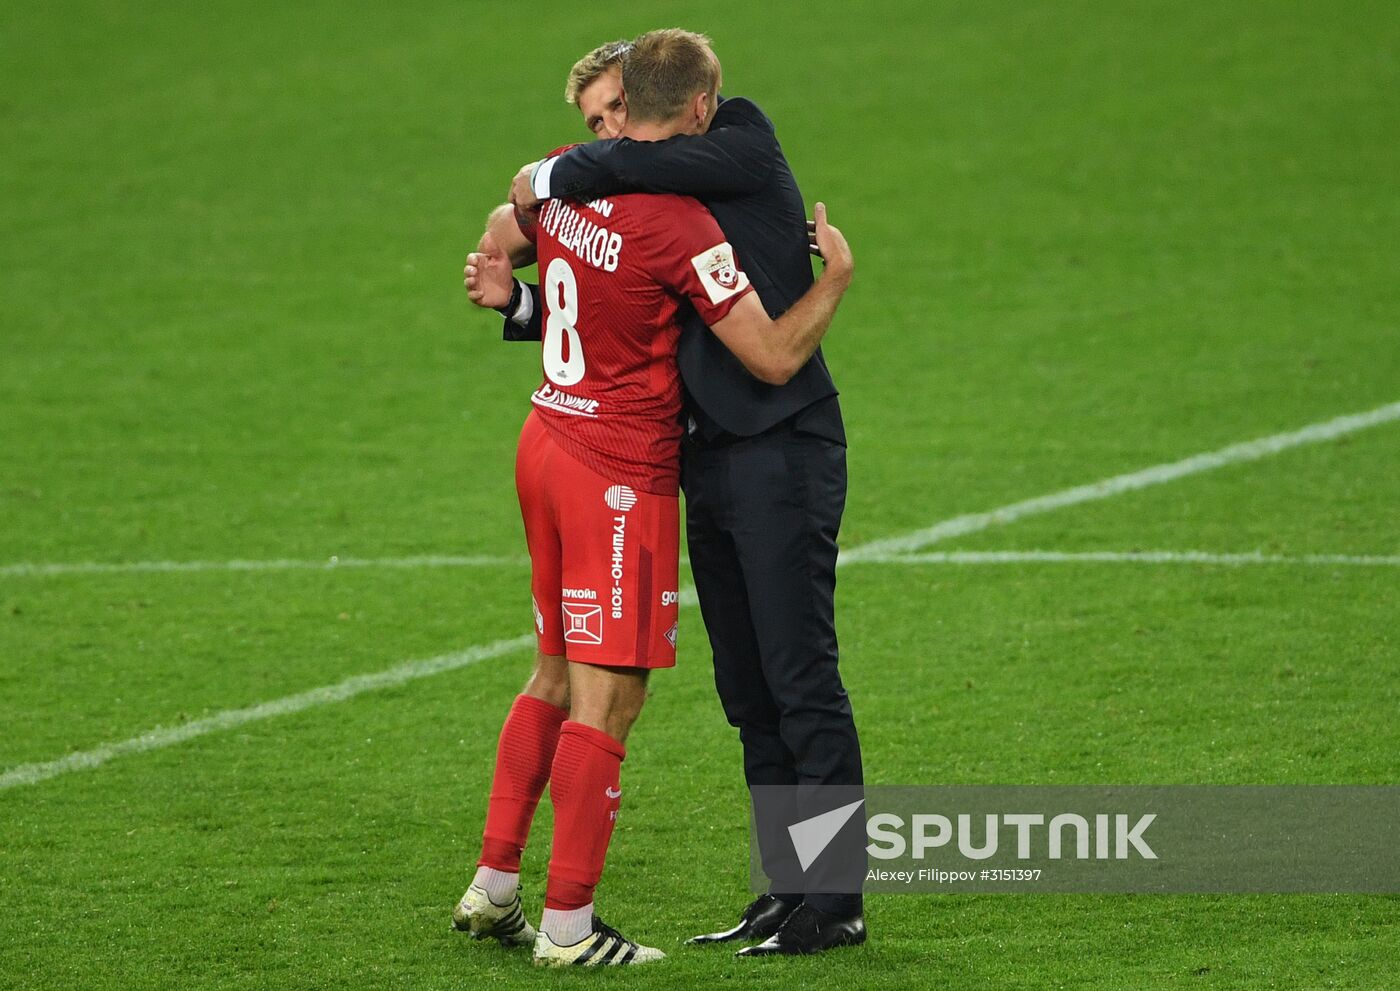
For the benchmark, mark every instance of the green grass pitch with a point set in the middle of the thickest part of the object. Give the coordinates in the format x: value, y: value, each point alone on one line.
x: 1091, y: 237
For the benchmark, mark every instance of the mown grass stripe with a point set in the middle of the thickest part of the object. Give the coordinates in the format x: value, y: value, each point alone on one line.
x: 22, y: 570
x: 892, y: 549
x: 166, y: 736
x: 1253, y: 450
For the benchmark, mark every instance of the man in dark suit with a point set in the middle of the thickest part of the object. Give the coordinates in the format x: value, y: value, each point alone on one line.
x: 764, y: 474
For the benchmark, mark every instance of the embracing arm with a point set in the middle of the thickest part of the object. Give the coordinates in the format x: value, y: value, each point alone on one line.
x: 774, y: 351
x: 734, y: 159
x: 503, y: 228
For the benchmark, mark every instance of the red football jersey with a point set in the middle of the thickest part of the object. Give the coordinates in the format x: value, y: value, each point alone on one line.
x: 612, y: 275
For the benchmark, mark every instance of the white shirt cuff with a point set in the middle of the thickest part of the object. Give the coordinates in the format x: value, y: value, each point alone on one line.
x: 539, y: 181
x: 526, y: 309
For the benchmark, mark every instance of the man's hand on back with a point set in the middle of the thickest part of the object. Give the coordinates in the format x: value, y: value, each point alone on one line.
x: 830, y: 244
x: 775, y: 350
x: 488, y: 275
x: 522, y: 194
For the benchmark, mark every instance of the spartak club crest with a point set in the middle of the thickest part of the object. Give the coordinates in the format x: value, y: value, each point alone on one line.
x: 725, y: 274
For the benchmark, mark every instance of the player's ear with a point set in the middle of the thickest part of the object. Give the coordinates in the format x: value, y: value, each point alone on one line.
x: 700, y: 108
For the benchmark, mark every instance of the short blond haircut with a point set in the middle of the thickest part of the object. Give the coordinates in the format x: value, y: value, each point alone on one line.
x: 665, y: 70
x: 587, y: 69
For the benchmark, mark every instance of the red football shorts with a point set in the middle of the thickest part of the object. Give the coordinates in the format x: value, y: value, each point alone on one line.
x: 604, y: 559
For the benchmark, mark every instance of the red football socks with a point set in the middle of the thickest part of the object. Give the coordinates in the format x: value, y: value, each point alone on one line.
x: 584, y: 787
x: 524, y: 755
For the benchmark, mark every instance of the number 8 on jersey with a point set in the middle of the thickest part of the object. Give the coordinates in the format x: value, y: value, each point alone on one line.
x: 561, y: 331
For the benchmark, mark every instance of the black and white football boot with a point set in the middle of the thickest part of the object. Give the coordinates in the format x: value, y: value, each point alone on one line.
x: 603, y: 947
x: 478, y: 915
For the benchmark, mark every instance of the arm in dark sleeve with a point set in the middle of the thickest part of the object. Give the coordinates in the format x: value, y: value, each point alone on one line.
x: 532, y: 329
x: 731, y: 160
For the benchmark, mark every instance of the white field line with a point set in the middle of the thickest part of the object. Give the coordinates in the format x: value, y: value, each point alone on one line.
x: 1130, y: 557
x: 166, y: 736
x: 890, y: 548
x: 947, y: 529
x: 1234, y: 454
x: 284, y: 564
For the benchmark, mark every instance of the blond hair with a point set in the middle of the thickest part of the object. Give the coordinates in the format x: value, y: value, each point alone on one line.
x: 587, y: 69
x: 665, y: 70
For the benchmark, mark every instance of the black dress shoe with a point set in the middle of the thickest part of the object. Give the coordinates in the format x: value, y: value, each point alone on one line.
x: 810, y: 930
x: 764, y: 917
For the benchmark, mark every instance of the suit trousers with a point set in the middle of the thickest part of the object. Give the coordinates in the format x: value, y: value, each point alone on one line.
x: 762, y: 517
